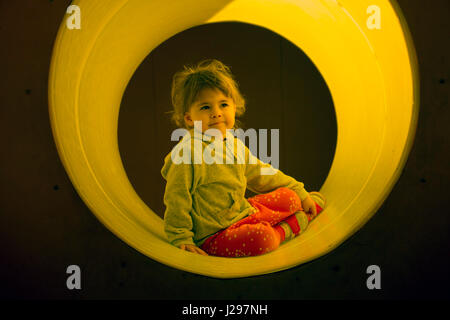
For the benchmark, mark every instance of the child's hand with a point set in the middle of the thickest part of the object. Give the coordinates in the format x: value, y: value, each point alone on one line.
x: 192, y: 248
x: 309, y: 206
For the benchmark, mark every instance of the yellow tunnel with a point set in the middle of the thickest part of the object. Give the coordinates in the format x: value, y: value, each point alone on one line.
x: 362, y: 49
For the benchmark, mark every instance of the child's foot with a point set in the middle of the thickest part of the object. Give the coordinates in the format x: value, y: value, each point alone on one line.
x: 293, y: 225
x: 320, y: 201
x: 299, y: 221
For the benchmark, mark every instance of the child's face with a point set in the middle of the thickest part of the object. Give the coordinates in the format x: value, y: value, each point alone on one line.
x: 214, y: 109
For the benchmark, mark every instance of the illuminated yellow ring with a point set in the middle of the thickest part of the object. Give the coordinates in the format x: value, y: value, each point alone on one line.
x: 371, y: 73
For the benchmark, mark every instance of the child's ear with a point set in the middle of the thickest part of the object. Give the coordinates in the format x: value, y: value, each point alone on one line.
x: 188, y: 119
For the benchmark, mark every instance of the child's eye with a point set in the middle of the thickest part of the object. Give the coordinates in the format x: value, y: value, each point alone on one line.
x: 204, y: 107
x: 224, y: 104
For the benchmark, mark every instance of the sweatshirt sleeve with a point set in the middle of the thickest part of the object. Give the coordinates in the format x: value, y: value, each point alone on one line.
x: 178, y: 201
x: 262, y: 177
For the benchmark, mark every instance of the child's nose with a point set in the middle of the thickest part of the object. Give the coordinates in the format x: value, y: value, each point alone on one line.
x: 216, y: 112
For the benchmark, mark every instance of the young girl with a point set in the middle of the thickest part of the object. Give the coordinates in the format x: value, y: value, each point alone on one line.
x: 206, y: 209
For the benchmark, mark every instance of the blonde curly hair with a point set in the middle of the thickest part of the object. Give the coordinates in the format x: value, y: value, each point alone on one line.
x: 188, y: 83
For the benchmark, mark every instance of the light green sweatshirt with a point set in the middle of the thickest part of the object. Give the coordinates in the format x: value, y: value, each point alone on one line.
x: 201, y: 199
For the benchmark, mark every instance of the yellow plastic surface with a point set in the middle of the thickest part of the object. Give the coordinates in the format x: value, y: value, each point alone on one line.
x: 372, y: 76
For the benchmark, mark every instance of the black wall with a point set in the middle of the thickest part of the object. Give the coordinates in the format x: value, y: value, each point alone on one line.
x: 45, y: 227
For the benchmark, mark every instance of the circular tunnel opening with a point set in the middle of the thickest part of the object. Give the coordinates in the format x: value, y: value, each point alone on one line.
x: 282, y: 87
x: 372, y: 78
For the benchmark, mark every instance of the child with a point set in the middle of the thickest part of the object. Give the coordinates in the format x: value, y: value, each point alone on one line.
x: 206, y: 211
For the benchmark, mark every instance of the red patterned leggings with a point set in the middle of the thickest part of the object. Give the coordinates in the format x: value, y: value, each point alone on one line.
x: 260, y: 232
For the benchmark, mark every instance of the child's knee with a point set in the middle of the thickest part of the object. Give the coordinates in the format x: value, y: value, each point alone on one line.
x: 291, y: 198
x: 293, y: 194
x: 286, y: 192
x: 284, y: 189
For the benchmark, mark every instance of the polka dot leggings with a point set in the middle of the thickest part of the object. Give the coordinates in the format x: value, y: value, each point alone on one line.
x: 260, y: 232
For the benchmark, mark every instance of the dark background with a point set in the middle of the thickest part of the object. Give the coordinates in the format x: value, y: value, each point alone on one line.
x: 46, y: 227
